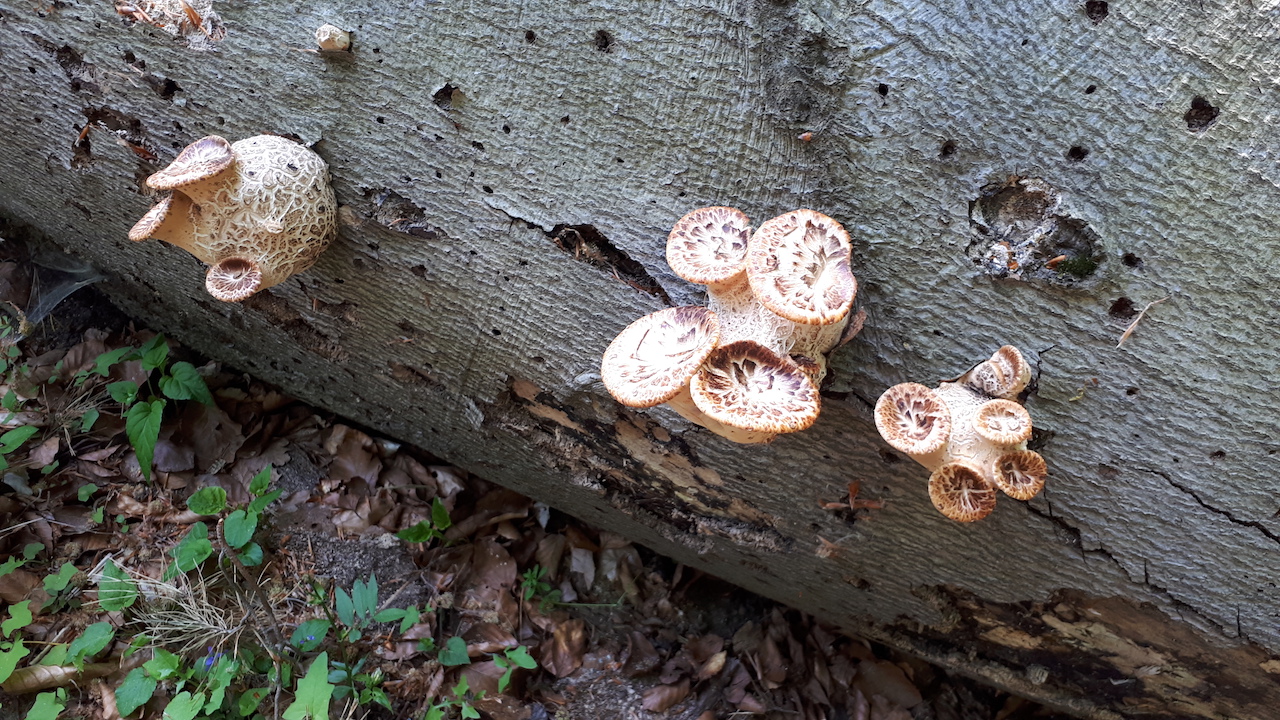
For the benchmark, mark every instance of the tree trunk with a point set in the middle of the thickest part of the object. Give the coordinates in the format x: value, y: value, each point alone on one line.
x: 508, y: 174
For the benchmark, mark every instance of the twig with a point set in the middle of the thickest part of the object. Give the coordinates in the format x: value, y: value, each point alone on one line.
x: 255, y: 588
x: 1134, y: 325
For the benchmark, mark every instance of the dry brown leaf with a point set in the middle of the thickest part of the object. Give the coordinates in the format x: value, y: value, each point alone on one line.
x: 562, y: 653
x: 749, y: 704
x: 45, y: 453
x: 884, y: 709
x: 663, y: 697
x: 642, y: 657
x: 773, y: 669
x: 100, y: 454
x: 353, y: 455
x: 503, y: 707
x: 879, y: 677
x: 482, y: 677
x: 17, y: 586
x: 214, y: 436
x: 712, y: 666
x: 488, y: 638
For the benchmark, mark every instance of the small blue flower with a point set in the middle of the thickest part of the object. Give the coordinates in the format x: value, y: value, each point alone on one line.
x: 211, y: 659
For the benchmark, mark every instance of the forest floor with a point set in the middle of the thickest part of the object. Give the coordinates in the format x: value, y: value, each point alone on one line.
x: 179, y: 540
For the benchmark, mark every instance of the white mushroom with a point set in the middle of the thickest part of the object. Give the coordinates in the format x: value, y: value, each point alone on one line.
x: 258, y: 210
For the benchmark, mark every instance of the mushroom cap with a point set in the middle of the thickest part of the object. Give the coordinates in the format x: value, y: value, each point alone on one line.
x: 962, y: 492
x: 198, y: 161
x: 1003, y: 422
x: 1005, y: 375
x: 798, y: 265
x: 747, y: 385
x: 233, y: 279
x: 1021, y: 474
x: 142, y: 229
x: 913, y: 419
x: 709, y: 245
x: 653, y: 358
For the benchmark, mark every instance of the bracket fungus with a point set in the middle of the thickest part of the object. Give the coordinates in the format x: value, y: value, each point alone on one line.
x: 748, y: 366
x: 971, y: 433
x: 256, y: 211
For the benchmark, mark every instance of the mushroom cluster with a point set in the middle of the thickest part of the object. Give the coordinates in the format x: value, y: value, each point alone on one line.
x: 971, y: 433
x: 256, y: 211
x: 748, y: 366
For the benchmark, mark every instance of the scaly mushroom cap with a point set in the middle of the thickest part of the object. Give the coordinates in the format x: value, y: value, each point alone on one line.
x: 747, y: 385
x: 709, y: 245
x: 913, y: 419
x: 142, y: 229
x: 169, y: 220
x: 1021, y: 474
x: 1003, y: 422
x: 653, y: 358
x: 199, y: 161
x: 962, y: 492
x: 798, y: 265
x: 1005, y: 375
x: 233, y: 279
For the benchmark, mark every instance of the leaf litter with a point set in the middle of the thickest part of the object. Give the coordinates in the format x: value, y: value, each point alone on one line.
x: 529, y: 612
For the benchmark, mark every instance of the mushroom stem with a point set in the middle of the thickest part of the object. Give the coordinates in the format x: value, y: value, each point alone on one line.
x: 683, y: 404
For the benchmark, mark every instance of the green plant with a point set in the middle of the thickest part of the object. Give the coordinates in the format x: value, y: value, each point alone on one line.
x: 533, y: 584
x: 428, y: 530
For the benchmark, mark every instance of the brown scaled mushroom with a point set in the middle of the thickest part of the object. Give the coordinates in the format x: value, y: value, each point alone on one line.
x: 970, y: 433
x: 745, y: 385
x: 256, y: 211
x: 757, y: 374
x: 652, y: 360
x: 787, y: 286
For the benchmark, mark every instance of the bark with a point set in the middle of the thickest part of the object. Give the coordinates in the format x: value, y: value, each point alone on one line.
x: 509, y: 172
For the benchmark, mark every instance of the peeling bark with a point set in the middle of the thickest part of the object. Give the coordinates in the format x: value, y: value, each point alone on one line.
x: 508, y: 174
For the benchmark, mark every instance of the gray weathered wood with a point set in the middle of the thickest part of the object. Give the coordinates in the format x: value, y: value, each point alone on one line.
x: 1143, y: 581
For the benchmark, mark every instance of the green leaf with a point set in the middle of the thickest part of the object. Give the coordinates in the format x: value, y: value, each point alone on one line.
x: 55, y: 584
x: 251, y: 555
x: 249, y: 701
x: 10, y: 565
x: 419, y: 533
x: 183, y: 382
x: 440, y: 515
x: 30, y: 550
x: 154, y: 352
x: 123, y: 392
x: 260, y: 503
x: 411, y: 618
x: 454, y: 653
x: 260, y: 482
x: 116, y: 590
x: 136, y: 643
x: 103, y: 365
x: 48, y: 705
x: 162, y: 665
x: 390, y: 615
x: 469, y: 713
x: 220, y: 677
x: 239, y: 527
x: 142, y: 425
x: 10, y: 401
x: 310, y: 634
x: 311, y: 701
x: 134, y: 692
x: 13, y: 439
x: 98, y: 514
x: 19, y: 617
x: 10, y: 658
x: 90, y: 417
x: 520, y: 656
x: 86, y: 491
x: 346, y: 610
x: 436, y: 711
x: 92, y: 641
x: 57, y: 655
x: 184, y: 706
x: 365, y: 597
x: 193, y: 549
x: 208, y: 501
